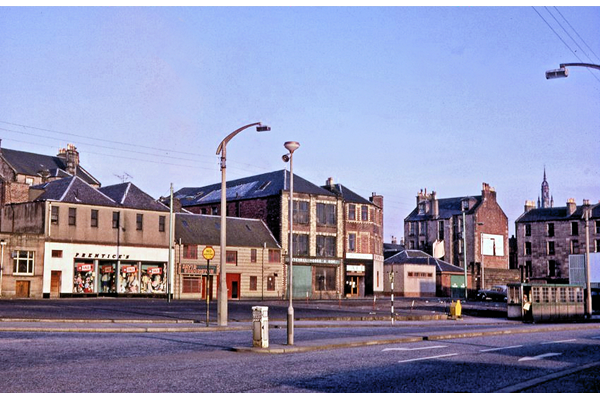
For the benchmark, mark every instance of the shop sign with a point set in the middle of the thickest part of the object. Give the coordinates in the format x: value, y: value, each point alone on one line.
x: 129, y: 269
x: 107, y: 269
x: 103, y: 256
x: 355, y: 268
x: 154, y: 271
x: 190, y: 269
x: 85, y: 267
x: 310, y: 260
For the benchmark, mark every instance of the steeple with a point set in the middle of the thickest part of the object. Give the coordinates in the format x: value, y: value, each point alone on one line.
x: 546, y: 201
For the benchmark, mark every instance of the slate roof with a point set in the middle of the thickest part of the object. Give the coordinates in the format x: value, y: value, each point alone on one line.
x: 32, y: 164
x: 252, y: 187
x: 418, y: 257
x: 555, y: 214
x: 447, y: 208
x: 71, y: 190
x: 75, y: 190
x: 390, y: 249
x: 205, y: 229
x: 130, y: 196
x: 347, y: 194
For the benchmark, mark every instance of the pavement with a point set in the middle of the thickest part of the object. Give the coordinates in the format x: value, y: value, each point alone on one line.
x: 424, y: 319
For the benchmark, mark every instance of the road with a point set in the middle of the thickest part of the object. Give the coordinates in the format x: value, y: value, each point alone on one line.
x: 203, y: 362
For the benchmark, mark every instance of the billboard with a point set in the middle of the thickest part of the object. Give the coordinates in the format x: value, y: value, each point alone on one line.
x: 492, y: 245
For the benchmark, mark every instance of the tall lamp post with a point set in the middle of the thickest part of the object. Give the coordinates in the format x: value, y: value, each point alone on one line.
x: 291, y: 147
x: 2, y: 243
x: 222, y: 295
x: 563, y: 72
x: 464, y: 235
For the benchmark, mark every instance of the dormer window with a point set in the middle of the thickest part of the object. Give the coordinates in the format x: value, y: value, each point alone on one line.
x: 465, y: 204
x: 29, y: 181
x: 421, y: 208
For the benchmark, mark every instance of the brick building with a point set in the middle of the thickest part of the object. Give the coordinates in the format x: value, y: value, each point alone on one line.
x: 318, y: 224
x: 363, y: 241
x: 435, y: 226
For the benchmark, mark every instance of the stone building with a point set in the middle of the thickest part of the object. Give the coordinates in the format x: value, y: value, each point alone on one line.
x: 547, y: 236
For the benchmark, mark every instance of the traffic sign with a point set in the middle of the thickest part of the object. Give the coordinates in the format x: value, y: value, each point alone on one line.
x: 208, y: 253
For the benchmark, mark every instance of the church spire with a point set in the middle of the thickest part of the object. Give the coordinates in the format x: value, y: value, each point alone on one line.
x: 546, y: 200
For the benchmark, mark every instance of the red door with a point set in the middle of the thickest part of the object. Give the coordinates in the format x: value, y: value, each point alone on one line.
x: 233, y: 286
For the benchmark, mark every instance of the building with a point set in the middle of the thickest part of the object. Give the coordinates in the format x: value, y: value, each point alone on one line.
x: 363, y: 241
x: 255, y: 268
x: 318, y: 224
x: 545, y: 200
x: 547, y: 236
x: 418, y: 274
x: 435, y: 226
x: 72, y: 239
x: 20, y: 169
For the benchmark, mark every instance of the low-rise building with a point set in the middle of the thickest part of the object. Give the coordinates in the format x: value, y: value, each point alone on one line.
x: 254, y: 267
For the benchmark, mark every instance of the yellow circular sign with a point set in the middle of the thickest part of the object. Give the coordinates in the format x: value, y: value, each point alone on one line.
x: 208, y: 253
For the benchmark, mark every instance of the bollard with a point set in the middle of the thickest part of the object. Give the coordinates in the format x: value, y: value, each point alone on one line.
x: 260, y: 327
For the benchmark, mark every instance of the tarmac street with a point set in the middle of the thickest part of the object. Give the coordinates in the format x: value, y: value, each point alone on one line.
x: 347, y: 346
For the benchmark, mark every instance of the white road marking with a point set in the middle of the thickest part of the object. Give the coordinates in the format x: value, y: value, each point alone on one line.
x: 501, y: 348
x: 416, y: 348
x: 428, y: 358
x: 560, y: 341
x: 539, y: 357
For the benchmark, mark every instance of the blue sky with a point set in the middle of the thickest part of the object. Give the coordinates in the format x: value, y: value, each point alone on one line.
x: 383, y: 99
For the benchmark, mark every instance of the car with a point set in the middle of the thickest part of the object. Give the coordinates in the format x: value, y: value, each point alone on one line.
x: 496, y: 293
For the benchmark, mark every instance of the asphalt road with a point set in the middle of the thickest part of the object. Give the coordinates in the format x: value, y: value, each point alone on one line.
x: 423, y: 352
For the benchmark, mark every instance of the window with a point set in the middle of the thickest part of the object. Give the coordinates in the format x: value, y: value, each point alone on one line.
x: 422, y: 228
x: 72, y: 216
x: 139, y: 222
x: 465, y: 205
x: 191, y: 284
x: 598, y: 227
x: 551, y: 229
x: 326, y: 214
x: 57, y: 253
x: 364, y: 213
x: 115, y: 219
x: 527, y: 229
x: 528, y: 269
x: 352, y: 242
x: 527, y: 248
x: 325, y: 278
x: 550, y: 248
x: 326, y: 246
x: 94, y: 219
x: 270, y: 283
x: 552, y: 270
x: 574, y: 246
x: 23, y: 262
x: 29, y: 181
x: 597, y: 246
x: 190, y: 251
x: 575, y: 228
x: 440, y: 230
x: 161, y: 223
x: 253, y: 283
x: 253, y: 257
x: 301, y: 213
x: 231, y: 257
x: 352, y: 212
x: 412, y: 228
x: 54, y: 215
x: 300, y: 245
x: 274, y: 256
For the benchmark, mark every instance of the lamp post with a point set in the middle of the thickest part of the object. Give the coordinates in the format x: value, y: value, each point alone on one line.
x: 563, y: 72
x: 2, y: 243
x: 291, y: 147
x: 464, y: 235
x: 222, y: 295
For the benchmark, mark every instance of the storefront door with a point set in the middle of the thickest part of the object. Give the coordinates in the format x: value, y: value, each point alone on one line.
x: 55, y: 281
x: 353, y: 286
x: 233, y: 286
x: 22, y: 289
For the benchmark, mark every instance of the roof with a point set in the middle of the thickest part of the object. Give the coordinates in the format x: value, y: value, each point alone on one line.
x: 419, y: 257
x: 75, y: 190
x: 257, y: 186
x: 71, y: 190
x: 556, y: 214
x: 33, y: 164
x: 447, y: 208
x: 347, y: 194
x: 130, y: 196
x: 206, y: 229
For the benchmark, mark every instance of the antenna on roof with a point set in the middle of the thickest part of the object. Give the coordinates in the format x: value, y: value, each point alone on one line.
x: 125, y: 177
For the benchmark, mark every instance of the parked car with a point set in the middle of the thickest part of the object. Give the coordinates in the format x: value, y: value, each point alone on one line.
x: 496, y: 293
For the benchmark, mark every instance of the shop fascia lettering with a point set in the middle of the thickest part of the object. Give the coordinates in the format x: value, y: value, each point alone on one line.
x: 103, y: 256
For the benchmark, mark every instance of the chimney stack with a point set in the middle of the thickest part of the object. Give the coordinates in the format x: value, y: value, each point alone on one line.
x: 71, y: 157
x: 571, y: 206
x: 529, y: 205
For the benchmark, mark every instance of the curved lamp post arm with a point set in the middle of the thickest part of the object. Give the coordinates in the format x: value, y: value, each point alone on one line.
x: 563, y: 72
x: 222, y: 147
x: 580, y: 65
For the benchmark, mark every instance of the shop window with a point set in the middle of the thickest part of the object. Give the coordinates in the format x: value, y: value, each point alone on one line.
x: 191, y: 284
x: 94, y: 219
x: 325, y: 278
x: 253, y: 283
x: 270, y: 283
x: 83, y: 277
x: 129, y: 281
x: 253, y: 255
x: 139, y: 222
x: 161, y: 223
x: 301, y: 212
x: 54, y: 215
x: 274, y: 256
x: 326, y: 246
x: 108, y: 275
x: 72, y: 216
x: 153, y: 278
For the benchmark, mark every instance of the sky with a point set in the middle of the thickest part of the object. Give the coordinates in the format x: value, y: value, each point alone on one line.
x: 386, y: 100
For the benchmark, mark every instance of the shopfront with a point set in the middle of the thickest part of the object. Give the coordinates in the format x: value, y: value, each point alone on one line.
x: 88, y: 270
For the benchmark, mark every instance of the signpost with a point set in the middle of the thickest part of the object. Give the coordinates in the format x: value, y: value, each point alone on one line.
x: 208, y: 253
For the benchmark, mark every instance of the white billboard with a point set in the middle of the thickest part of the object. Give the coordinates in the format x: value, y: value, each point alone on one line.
x: 492, y: 245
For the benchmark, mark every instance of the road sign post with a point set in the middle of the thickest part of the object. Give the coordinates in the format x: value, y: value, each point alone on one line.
x: 208, y: 253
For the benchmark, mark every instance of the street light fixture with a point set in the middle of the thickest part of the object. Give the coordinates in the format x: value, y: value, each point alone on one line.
x: 563, y: 72
x: 222, y: 295
x: 291, y: 147
x: 2, y: 243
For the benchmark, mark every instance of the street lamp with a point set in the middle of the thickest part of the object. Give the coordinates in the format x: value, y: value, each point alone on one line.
x: 2, y: 243
x: 222, y: 295
x: 563, y: 72
x: 291, y: 147
x: 464, y: 235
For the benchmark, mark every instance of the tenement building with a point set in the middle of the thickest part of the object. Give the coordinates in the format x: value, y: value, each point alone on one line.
x: 469, y: 231
x: 547, y: 236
